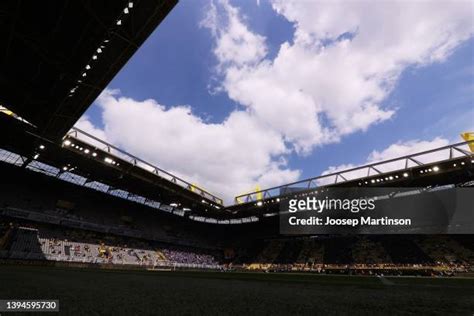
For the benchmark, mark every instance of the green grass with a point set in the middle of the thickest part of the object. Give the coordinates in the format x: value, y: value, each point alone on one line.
x: 113, y: 292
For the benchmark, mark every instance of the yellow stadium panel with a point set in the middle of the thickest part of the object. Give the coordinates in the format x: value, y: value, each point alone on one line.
x: 259, y: 193
x: 469, y: 136
x: 7, y: 112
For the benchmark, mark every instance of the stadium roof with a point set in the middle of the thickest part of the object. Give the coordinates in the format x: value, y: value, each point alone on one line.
x: 58, y: 56
x: 87, y: 161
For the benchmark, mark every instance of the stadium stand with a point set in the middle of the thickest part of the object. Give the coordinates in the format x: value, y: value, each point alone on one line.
x: 335, y: 254
x: 66, y: 196
x: 403, y: 250
x: 49, y: 242
x: 338, y: 250
x: 44, y: 218
x: 360, y: 254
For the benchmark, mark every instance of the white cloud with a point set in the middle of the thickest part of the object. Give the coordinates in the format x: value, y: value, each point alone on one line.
x: 400, y: 149
x: 319, y: 87
x: 343, y: 62
x: 86, y: 125
x: 227, y: 158
x: 396, y: 150
x: 235, y: 43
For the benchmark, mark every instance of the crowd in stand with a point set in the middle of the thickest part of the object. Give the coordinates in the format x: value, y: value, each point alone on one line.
x: 35, y: 241
x: 430, y: 255
x: 325, y: 254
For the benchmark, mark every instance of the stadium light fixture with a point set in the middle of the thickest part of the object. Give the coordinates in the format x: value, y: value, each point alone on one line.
x: 435, y: 168
x: 108, y: 160
x: 99, y: 50
x: 462, y: 163
x: 119, y: 22
x: 64, y: 168
x: 259, y: 203
x: 130, y: 4
x: 42, y: 147
x: 125, y: 10
x: 94, y: 57
x: 454, y: 165
x: 94, y: 154
x: 84, y: 74
x: 88, y: 67
x: 36, y: 156
x: 86, y: 151
x: 405, y: 175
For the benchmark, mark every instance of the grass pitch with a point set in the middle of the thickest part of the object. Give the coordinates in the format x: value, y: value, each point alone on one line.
x: 112, y: 292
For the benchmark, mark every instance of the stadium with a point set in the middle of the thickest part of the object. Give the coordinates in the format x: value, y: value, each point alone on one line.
x: 105, y: 232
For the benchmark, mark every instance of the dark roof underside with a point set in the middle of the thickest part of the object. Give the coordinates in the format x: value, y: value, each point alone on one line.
x: 47, y: 45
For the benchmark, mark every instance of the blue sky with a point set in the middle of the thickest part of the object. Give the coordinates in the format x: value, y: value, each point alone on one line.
x: 430, y: 97
x: 186, y: 80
